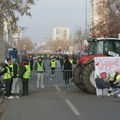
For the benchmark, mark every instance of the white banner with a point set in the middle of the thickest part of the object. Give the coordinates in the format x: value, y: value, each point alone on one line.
x: 106, y: 65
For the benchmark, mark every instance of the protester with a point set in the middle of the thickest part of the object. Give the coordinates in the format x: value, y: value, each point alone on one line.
x: 67, y: 70
x: 114, y: 78
x: 6, y: 72
x: 40, y: 69
x: 30, y: 60
x: 61, y: 62
x: 25, y: 78
x: 9, y: 62
x: 53, y: 65
x: 16, y: 79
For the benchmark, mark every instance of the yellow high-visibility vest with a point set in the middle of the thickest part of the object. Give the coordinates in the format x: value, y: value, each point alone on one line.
x: 7, y: 75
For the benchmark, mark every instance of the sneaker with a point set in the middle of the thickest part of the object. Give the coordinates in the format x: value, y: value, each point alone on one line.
x: 17, y: 96
x: 10, y: 97
x: 117, y: 95
x: 43, y: 86
x: 108, y: 94
x: 110, y: 89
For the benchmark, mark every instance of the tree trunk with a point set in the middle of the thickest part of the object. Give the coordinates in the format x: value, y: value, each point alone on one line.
x: 2, y: 48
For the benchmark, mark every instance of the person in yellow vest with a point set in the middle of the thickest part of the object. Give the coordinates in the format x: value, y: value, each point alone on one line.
x: 40, y: 69
x: 53, y: 65
x: 113, y: 79
x: 25, y: 79
x: 30, y: 60
x: 6, y: 73
x: 71, y: 60
x: 9, y: 62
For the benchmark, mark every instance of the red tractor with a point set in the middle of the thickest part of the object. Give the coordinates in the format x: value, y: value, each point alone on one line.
x: 84, y: 72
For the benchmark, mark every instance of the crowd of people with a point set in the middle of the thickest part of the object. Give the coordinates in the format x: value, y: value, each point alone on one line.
x: 11, y: 72
x: 16, y: 71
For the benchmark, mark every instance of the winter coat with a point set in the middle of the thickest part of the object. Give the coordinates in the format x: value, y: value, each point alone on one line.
x: 67, y: 70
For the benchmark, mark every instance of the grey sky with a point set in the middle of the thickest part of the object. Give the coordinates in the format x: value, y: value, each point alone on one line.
x: 47, y: 14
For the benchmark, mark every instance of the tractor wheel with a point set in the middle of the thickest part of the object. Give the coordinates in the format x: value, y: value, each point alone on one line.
x: 88, y: 77
x: 77, y: 77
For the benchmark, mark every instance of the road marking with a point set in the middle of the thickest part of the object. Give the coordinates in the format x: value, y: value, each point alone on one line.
x: 58, y: 89
x: 76, y: 112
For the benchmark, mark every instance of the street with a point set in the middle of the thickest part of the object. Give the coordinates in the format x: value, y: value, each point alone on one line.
x: 58, y: 103
x: 60, y: 63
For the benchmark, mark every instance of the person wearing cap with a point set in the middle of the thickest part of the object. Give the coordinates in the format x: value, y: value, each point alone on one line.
x: 40, y: 69
x: 16, y: 79
x: 53, y: 65
x: 6, y: 73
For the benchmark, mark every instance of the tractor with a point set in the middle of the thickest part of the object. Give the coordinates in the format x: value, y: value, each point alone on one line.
x: 84, y: 72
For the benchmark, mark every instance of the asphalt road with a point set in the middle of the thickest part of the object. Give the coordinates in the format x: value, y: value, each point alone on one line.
x: 57, y: 103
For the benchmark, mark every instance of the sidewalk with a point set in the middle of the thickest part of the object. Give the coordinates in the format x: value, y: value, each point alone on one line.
x: 1, y: 98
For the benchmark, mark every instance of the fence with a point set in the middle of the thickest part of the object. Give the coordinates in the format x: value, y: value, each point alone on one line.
x: 57, y: 77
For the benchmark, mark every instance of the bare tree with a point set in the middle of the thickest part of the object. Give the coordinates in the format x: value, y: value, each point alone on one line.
x: 108, y: 12
x: 55, y: 45
x: 79, y: 38
x: 10, y: 10
x: 25, y: 44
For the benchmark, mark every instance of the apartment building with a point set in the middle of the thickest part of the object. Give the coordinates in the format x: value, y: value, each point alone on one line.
x: 61, y: 33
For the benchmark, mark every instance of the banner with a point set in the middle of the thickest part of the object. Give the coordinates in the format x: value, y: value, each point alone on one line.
x: 105, y: 66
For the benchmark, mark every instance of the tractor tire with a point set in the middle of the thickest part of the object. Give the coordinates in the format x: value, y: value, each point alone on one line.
x: 77, y: 77
x: 88, y: 77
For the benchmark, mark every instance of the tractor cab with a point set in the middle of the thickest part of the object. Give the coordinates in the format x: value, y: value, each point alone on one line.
x: 104, y: 46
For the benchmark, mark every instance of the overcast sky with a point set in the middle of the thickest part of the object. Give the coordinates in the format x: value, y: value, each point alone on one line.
x: 47, y: 14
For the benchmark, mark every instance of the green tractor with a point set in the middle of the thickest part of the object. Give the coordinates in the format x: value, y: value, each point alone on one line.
x: 84, y: 72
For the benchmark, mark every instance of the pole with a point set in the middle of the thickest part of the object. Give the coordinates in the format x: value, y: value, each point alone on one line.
x: 86, y: 19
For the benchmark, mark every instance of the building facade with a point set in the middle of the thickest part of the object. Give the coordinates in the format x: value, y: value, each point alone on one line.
x: 61, y: 33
